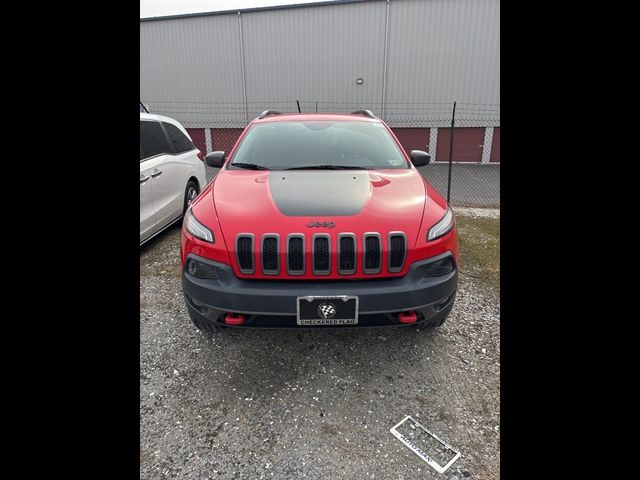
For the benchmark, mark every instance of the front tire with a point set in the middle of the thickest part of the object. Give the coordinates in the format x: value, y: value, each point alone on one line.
x: 203, y: 324
x: 439, y: 319
x: 190, y: 193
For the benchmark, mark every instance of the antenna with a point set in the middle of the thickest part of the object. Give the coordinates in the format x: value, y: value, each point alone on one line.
x: 298, y: 102
x: 142, y: 105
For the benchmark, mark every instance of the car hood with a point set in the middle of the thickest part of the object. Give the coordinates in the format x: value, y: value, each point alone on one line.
x: 286, y: 202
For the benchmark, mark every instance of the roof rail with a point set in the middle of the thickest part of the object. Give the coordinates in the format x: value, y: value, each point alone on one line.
x: 363, y: 112
x: 266, y: 113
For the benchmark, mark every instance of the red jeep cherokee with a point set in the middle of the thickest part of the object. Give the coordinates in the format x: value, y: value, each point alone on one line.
x: 318, y: 219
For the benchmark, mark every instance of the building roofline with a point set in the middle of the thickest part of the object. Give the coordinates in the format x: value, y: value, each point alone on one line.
x: 254, y: 9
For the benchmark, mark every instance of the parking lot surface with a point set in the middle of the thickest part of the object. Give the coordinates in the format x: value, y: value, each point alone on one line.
x: 311, y: 403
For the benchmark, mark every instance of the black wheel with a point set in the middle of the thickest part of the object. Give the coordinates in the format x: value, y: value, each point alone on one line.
x: 439, y: 319
x: 190, y: 193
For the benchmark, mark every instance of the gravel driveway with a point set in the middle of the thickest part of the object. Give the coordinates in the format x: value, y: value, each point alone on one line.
x: 311, y: 403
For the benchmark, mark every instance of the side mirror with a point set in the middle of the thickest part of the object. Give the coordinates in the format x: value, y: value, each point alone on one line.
x: 420, y: 158
x: 215, y: 159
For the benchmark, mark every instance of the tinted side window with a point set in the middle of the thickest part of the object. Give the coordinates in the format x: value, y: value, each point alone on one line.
x: 180, y: 141
x: 152, y: 140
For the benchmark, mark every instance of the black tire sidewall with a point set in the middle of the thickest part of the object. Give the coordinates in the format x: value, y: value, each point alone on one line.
x: 190, y: 184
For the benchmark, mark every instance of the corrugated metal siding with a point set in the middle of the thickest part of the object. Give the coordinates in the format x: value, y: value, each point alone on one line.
x: 190, y: 69
x: 438, y: 51
x: 441, y: 51
x: 314, y: 54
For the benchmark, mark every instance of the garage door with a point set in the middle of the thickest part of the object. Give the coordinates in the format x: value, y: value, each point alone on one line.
x: 225, y: 138
x: 467, y: 144
x: 413, y: 138
x: 197, y: 135
x: 495, y: 146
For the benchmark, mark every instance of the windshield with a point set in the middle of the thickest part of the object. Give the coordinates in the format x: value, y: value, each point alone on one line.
x: 318, y: 144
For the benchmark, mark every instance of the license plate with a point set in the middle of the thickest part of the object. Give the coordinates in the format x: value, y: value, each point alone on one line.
x: 419, y: 439
x: 336, y: 310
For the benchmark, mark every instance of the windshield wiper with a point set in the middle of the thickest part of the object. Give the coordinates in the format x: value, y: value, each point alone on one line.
x: 328, y: 167
x: 249, y: 166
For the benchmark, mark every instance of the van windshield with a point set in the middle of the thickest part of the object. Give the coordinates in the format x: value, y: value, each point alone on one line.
x: 318, y: 145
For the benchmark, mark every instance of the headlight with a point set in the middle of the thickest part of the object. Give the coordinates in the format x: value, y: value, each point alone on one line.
x: 443, y: 227
x: 198, y: 230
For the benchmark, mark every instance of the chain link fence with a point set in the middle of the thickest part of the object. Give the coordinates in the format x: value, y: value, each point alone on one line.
x: 465, y: 159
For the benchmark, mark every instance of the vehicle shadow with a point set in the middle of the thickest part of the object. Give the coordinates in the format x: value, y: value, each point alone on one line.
x: 365, y: 358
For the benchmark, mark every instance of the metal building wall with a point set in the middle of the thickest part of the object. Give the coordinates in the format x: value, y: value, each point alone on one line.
x: 441, y: 51
x: 315, y: 54
x: 438, y: 51
x: 190, y: 69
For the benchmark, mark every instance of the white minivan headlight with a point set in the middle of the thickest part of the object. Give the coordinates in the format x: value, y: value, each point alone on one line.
x: 444, y: 226
x: 198, y: 230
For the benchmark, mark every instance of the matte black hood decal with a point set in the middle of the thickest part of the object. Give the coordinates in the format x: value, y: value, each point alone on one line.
x: 319, y: 193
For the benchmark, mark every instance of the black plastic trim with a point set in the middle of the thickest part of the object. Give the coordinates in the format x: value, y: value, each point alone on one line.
x: 313, y: 253
x: 228, y: 293
x: 366, y: 270
x: 404, y: 254
x: 265, y: 237
x: 304, y: 254
x: 253, y: 256
x: 355, y: 254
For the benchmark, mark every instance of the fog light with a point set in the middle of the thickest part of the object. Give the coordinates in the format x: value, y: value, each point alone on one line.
x: 201, y: 270
x: 438, y: 268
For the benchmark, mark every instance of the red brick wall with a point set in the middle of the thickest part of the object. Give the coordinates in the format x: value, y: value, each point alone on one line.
x: 467, y: 144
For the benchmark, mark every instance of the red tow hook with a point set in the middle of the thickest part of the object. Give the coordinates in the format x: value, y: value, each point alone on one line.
x: 234, y: 319
x: 408, y: 317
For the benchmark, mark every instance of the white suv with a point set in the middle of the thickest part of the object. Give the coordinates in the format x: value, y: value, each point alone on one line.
x: 172, y: 173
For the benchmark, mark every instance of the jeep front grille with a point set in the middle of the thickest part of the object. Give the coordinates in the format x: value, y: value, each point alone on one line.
x: 349, y: 252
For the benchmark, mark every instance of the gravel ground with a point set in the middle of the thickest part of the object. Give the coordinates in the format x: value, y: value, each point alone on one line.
x: 311, y: 403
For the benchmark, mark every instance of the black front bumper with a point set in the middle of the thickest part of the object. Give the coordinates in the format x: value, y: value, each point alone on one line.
x: 272, y: 303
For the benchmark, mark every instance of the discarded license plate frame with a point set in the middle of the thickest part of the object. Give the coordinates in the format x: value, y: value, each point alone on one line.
x: 418, y: 451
